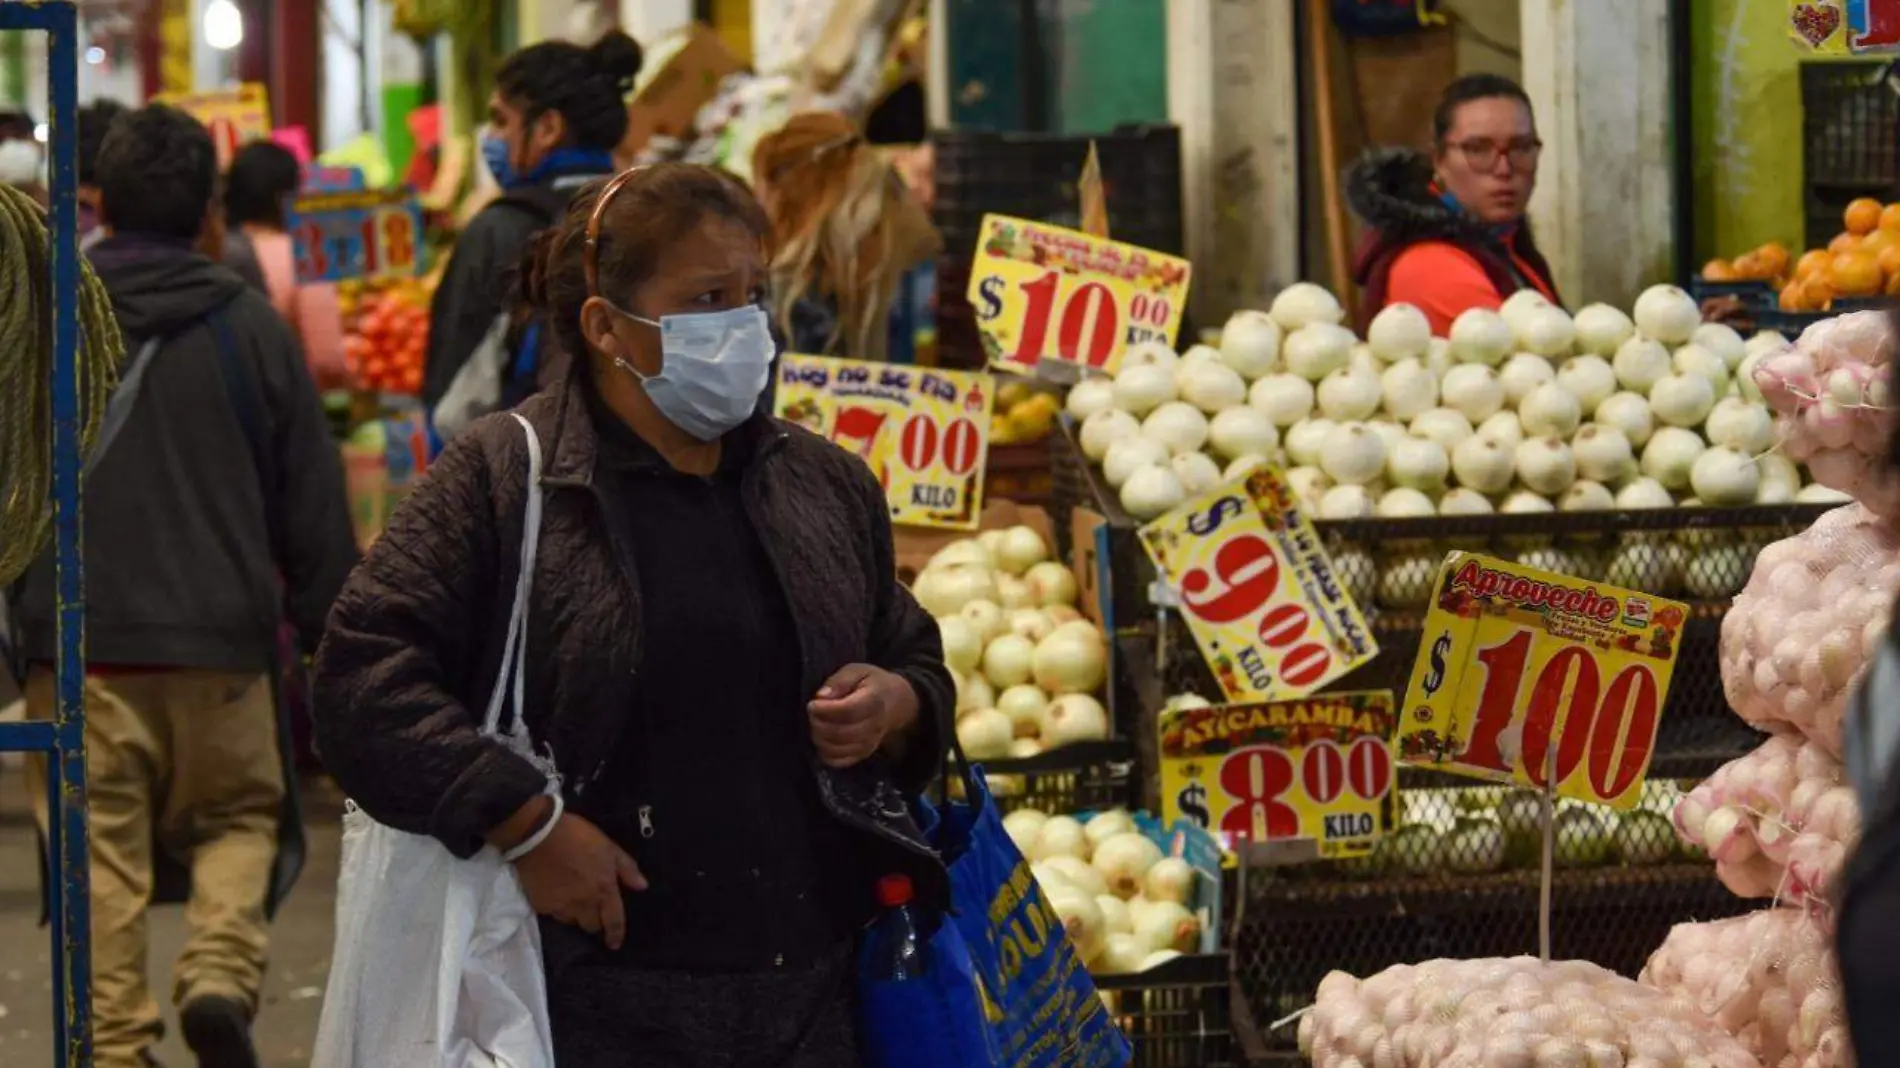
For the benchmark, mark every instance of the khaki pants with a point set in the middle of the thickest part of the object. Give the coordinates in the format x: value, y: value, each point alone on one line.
x: 192, y: 755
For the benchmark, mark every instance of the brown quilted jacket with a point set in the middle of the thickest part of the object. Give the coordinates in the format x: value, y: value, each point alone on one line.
x: 414, y: 640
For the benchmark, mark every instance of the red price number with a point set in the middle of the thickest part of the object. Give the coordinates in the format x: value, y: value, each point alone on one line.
x: 1609, y: 731
x: 312, y: 263
x: 922, y: 444
x: 1261, y: 782
x: 1087, y: 327
x: 1244, y: 577
x: 389, y: 243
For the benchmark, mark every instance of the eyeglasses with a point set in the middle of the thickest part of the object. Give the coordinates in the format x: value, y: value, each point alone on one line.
x: 1482, y: 154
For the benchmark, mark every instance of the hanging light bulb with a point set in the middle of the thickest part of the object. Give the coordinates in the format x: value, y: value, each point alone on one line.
x: 223, y: 25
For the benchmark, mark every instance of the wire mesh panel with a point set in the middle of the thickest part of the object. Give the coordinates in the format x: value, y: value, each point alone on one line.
x: 1176, y: 1015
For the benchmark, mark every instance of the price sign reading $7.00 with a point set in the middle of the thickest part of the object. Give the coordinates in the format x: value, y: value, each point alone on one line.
x: 1521, y: 669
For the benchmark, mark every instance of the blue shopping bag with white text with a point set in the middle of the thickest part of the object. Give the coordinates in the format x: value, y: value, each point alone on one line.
x: 1006, y: 988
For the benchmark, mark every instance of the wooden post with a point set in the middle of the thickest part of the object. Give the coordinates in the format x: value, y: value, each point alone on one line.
x: 1598, y: 75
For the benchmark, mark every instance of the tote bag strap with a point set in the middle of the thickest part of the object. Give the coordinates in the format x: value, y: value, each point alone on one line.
x: 510, y: 681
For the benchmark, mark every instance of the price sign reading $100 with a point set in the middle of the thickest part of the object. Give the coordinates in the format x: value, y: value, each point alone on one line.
x: 1317, y: 769
x: 1257, y: 590
x: 1045, y: 293
x: 1518, y: 666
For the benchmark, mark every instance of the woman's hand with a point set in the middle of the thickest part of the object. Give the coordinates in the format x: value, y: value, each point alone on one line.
x: 575, y: 876
x: 858, y: 710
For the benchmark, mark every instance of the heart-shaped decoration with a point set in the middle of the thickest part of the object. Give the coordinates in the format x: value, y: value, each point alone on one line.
x: 1816, y: 22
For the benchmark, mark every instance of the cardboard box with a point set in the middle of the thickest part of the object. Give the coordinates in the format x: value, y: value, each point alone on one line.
x: 688, y: 79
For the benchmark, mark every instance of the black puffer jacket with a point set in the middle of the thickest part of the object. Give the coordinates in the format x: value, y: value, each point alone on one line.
x: 415, y: 639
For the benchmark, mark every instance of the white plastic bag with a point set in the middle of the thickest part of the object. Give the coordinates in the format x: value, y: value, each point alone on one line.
x: 476, y: 388
x: 438, y: 960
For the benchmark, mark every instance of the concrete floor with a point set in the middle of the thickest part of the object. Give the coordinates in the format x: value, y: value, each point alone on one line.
x: 300, y: 949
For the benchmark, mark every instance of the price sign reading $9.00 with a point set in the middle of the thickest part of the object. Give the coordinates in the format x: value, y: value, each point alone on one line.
x: 340, y: 236
x: 1045, y: 293
x: 1520, y: 669
x: 1317, y: 769
x: 1258, y: 591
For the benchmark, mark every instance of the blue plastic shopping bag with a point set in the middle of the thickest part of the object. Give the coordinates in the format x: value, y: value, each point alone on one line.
x: 1006, y: 988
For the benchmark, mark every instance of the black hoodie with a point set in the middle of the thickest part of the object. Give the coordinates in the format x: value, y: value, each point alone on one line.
x: 180, y: 569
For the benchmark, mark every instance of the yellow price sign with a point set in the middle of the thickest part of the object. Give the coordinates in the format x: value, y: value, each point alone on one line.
x: 1258, y: 591
x: 235, y: 116
x: 1520, y: 669
x: 924, y: 432
x: 1318, y: 769
x: 1047, y: 293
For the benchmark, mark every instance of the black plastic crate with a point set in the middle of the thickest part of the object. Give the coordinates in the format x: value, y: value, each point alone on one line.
x: 1178, y: 1014
x: 1850, y: 112
x: 1791, y: 324
x: 1084, y: 777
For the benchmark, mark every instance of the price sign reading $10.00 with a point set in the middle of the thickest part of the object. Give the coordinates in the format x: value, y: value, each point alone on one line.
x: 1045, y: 293
x: 1516, y: 662
x: 340, y: 236
x: 1317, y: 769
x: 1258, y: 591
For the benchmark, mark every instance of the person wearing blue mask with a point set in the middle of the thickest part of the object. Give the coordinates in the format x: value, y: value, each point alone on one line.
x: 556, y: 116
x: 738, y: 698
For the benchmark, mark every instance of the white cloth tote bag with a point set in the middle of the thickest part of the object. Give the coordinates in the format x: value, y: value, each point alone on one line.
x: 438, y: 960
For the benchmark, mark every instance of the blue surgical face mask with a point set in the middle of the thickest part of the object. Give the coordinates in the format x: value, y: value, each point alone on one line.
x: 713, y: 366
x: 498, y: 159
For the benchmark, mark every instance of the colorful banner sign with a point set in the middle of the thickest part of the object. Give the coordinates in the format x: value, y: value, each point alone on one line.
x: 1317, y: 769
x: 1046, y: 294
x: 235, y: 116
x: 341, y: 236
x: 925, y: 432
x: 1257, y: 590
x: 1515, y: 660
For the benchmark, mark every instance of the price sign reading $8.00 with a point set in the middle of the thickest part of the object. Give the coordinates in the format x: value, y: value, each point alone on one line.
x: 1045, y: 293
x: 1317, y: 769
x: 1520, y: 669
x: 1258, y: 591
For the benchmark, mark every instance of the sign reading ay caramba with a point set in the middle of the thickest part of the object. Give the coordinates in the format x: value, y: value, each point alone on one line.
x: 925, y: 432
x: 1515, y: 660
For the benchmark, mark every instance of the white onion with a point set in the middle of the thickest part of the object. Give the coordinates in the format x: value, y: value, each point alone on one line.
x: 1545, y: 330
x: 1602, y: 329
x: 1024, y: 704
x: 1402, y: 503
x: 1022, y: 826
x: 1696, y: 360
x: 1143, y: 388
x: 1013, y: 593
x: 1129, y: 455
x: 1081, y: 919
x: 1480, y: 336
x: 1644, y: 492
x: 1006, y: 660
x: 1052, y: 583
x: 1550, y: 409
x: 974, y: 692
x: 962, y: 644
x: 1667, y: 314
x: 1545, y: 465
x: 1742, y: 426
x: 1745, y: 384
x: 1123, y: 860
x: 943, y: 591
x: 1022, y: 548
x: 1400, y: 331
x: 1305, y: 440
x: 1520, y: 302
x: 1362, y: 359
x: 1603, y: 453
x: 1347, y: 502
x: 1586, y: 496
x: 1484, y: 465
x: 1723, y: 341
x: 1150, y: 353
x: 1196, y: 356
x: 1118, y: 919
x: 1074, y: 717
x: 1349, y: 394
x: 1069, y: 661
x: 1418, y: 463
x: 1284, y: 398
x: 1178, y: 425
x: 1152, y: 491
x: 1211, y: 386
x: 1250, y: 344
x: 1473, y: 391
x: 1089, y: 396
x: 1640, y: 363
x: 1240, y: 466
x: 1078, y: 872
x: 1168, y: 925
x: 1170, y: 879
x: 1389, y: 432
x: 1198, y: 473
x: 1352, y: 454
x: 1780, y: 473
x: 1105, y: 428
x: 1408, y: 388
x: 1302, y: 303
x: 1242, y: 431
x: 1061, y: 836
x: 1105, y: 825
x: 1590, y: 379
x: 975, y: 552
x: 1031, y: 623
x: 1315, y: 351
x: 1723, y: 477
x: 1629, y: 413
x: 1682, y: 400
x: 1309, y: 485
x: 1526, y: 502
x: 985, y: 734
x: 1122, y: 953
x: 1445, y: 426
x: 1461, y: 501
x: 986, y: 617
x: 1670, y: 455
x: 1522, y: 373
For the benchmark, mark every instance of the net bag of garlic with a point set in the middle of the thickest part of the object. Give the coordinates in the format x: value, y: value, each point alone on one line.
x: 1802, y: 631
x: 1778, y: 822
x: 1767, y: 978
x: 1830, y: 395
x: 1517, y: 1013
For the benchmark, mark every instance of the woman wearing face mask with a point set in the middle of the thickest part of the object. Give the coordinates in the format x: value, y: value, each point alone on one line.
x: 1446, y: 232
x: 738, y: 694
x: 556, y: 116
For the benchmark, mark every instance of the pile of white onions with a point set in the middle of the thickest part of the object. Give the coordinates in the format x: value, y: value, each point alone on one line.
x: 1027, y: 664
x: 1516, y: 1013
x: 1779, y: 822
x: 1831, y: 395
x: 1126, y: 907
x: 1768, y: 978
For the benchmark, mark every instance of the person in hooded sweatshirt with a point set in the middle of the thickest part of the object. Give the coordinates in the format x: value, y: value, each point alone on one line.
x: 557, y: 114
x: 216, y: 510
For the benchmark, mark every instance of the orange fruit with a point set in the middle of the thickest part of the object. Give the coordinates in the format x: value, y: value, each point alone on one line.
x: 1750, y: 266
x: 1775, y: 255
x: 1843, y: 242
x: 1862, y: 215
x: 1792, y: 297
x: 1890, y: 217
x: 1811, y: 263
x: 1873, y: 243
x: 1817, y: 293
x: 1719, y: 270
x: 1855, y: 274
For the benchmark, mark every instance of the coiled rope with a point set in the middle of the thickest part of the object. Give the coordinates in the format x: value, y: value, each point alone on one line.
x: 26, y: 376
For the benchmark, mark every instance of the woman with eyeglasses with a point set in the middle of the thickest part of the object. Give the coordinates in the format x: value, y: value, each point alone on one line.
x: 1446, y: 232
x: 739, y: 698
